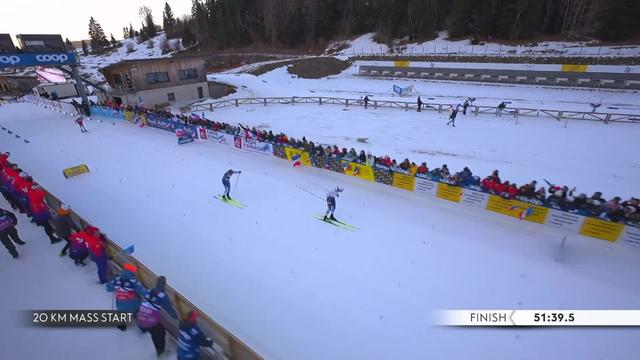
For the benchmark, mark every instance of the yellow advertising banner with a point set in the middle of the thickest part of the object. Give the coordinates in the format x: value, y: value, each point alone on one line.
x: 402, y: 63
x: 574, y: 68
x: 518, y: 209
x: 359, y: 170
x: 448, y: 192
x: 75, y: 171
x: 305, y: 160
x: 402, y: 181
x: 601, y: 229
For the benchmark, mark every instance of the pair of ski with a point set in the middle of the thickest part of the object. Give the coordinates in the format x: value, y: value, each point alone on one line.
x: 320, y: 217
x: 338, y: 223
x: 231, y: 202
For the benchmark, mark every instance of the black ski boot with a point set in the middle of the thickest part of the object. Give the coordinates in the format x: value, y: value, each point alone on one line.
x: 332, y: 218
x: 325, y: 218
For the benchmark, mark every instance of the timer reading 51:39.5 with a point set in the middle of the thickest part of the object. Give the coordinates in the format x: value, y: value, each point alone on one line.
x: 553, y: 317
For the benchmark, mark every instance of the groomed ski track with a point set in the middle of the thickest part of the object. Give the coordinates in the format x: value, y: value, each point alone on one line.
x: 294, y: 288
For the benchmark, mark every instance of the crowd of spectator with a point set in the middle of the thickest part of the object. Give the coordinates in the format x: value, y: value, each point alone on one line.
x: 25, y: 196
x: 554, y: 196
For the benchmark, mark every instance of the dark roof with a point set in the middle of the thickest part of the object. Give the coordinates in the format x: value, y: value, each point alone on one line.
x: 137, y: 61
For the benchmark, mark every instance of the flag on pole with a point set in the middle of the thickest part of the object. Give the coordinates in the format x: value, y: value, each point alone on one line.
x: 128, y: 250
x: 296, y: 160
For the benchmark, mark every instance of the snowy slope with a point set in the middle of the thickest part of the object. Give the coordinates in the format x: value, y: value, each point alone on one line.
x: 92, y: 63
x: 41, y: 280
x: 365, y: 45
x: 295, y: 288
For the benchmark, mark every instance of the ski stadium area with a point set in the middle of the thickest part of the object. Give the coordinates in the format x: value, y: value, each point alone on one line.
x: 292, y: 287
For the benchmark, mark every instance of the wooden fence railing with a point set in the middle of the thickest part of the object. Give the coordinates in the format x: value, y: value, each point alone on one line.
x: 404, y: 105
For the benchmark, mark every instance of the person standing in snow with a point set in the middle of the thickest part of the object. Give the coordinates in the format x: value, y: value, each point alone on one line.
x: 465, y: 105
x: 149, y: 313
x: 419, y: 104
x: 500, y: 108
x: 331, y: 203
x: 80, y: 122
x: 8, y: 232
x: 366, y: 101
x: 453, y: 112
x: 64, y: 226
x: 126, y: 287
x: 95, y: 243
x: 191, y: 338
x: 227, y: 184
x: 40, y: 211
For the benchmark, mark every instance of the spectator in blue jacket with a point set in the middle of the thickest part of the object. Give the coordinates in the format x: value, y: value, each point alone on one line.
x: 127, y: 289
x: 149, y: 313
x: 191, y: 338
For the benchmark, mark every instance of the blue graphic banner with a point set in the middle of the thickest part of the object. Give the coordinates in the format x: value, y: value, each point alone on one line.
x: 37, y: 59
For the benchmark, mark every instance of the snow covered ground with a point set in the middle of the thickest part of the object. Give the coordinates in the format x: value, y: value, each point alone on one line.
x: 41, y: 280
x: 295, y: 288
x: 365, y: 45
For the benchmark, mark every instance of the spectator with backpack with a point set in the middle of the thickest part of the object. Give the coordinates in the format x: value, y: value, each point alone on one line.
x: 8, y: 232
x: 149, y: 313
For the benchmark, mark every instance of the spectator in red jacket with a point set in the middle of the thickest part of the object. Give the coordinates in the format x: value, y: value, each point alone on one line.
x: 95, y: 242
x: 40, y: 210
x: 423, y: 169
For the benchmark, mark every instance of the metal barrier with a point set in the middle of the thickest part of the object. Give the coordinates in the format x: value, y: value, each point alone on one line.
x: 404, y: 105
x: 226, y: 345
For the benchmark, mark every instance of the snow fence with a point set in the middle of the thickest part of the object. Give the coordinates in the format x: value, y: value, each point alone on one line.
x: 422, y: 185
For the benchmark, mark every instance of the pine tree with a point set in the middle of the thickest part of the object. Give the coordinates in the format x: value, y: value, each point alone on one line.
x: 132, y: 32
x: 68, y: 44
x: 98, y: 38
x: 113, y: 41
x: 85, y: 48
x: 617, y: 19
x: 187, y: 37
x: 168, y: 20
x: 149, y: 27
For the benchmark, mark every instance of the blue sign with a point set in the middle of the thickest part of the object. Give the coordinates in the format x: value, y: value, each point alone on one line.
x: 37, y: 59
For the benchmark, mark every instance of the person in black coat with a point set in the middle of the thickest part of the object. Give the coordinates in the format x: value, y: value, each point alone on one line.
x: 8, y: 232
x: 419, y: 104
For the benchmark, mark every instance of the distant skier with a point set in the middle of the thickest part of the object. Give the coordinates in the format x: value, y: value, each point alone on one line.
x: 501, y: 107
x: 227, y: 183
x: 465, y: 105
x: 452, y: 116
x: 594, y: 106
x: 419, y: 104
x: 80, y: 122
x: 331, y: 203
x: 366, y: 101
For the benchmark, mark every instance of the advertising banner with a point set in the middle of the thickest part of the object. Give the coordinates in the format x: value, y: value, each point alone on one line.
x: 36, y: 59
x: 304, y: 156
x: 403, y: 181
x: 425, y: 186
x: 359, y: 170
x: 253, y: 146
x: 518, y: 209
x: 564, y: 220
x: 631, y: 236
x: 601, y: 229
x: 160, y: 122
x: 215, y: 136
x: 449, y: 192
x: 474, y: 198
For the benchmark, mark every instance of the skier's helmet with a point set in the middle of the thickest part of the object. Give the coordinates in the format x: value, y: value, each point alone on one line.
x: 339, y: 189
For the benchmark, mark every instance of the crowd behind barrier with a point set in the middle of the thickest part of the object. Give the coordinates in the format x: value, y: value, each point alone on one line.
x: 132, y: 282
x: 553, y: 204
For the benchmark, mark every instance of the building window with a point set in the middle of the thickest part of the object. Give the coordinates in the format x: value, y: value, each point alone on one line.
x: 171, y: 96
x: 157, y: 77
x: 187, y: 74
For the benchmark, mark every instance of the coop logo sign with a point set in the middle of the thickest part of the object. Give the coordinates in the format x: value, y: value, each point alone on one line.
x: 53, y: 57
x: 12, y: 60
x: 35, y: 59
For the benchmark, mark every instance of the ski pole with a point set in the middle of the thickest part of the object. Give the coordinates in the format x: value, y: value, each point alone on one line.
x: 305, y: 190
x: 236, y: 184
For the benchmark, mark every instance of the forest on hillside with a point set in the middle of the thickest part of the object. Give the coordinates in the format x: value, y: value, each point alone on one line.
x: 237, y: 23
